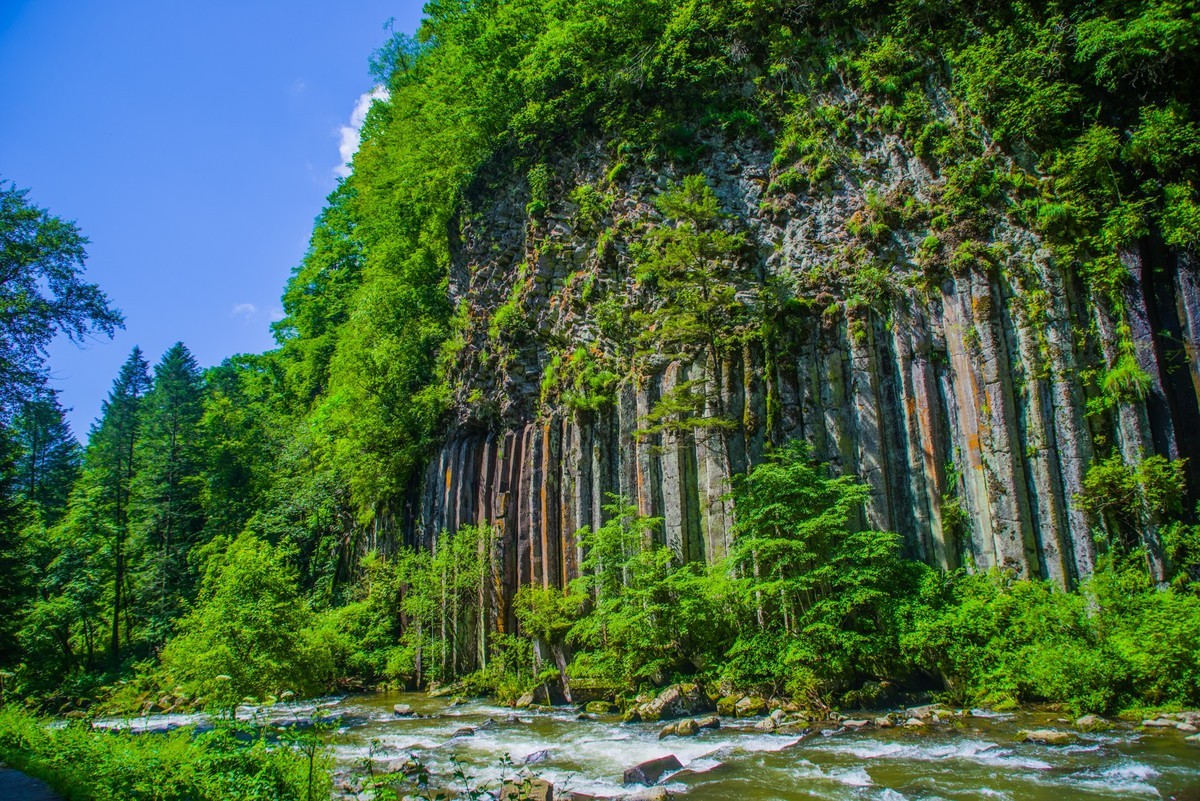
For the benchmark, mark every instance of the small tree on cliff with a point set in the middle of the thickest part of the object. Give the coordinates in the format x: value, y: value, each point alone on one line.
x: 691, y: 265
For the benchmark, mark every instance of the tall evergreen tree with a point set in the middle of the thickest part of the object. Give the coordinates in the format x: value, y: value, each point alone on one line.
x: 111, y: 464
x: 49, y: 457
x: 167, y: 514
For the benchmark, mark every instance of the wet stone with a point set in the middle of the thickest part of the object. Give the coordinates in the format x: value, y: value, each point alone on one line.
x: 1046, y: 737
x: 527, y: 790
x: 650, y: 771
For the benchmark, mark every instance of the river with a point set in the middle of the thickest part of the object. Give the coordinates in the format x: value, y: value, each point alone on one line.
x: 974, y: 757
x: 979, y: 757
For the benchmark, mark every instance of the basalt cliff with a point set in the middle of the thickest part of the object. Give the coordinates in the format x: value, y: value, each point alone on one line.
x: 951, y: 361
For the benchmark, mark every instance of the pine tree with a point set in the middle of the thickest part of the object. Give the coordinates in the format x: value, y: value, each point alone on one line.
x: 111, y: 464
x: 167, y: 514
x: 49, y: 457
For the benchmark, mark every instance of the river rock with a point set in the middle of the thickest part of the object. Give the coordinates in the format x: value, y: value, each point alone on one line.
x: 1091, y: 723
x: 914, y: 723
x: 1046, y: 737
x: 1159, y: 723
x: 527, y: 790
x: 884, y: 723
x: 676, y: 701
x: 650, y: 771
x: 856, y: 724
x: 1194, y: 739
x: 710, y: 722
x: 524, y: 701
x: 750, y: 706
x: 1186, y: 728
x: 403, y: 710
x: 465, y: 731
x: 687, y: 728
x: 537, y: 756
x: 727, y: 705
x: 766, y: 724
x: 599, y: 707
x: 646, y: 794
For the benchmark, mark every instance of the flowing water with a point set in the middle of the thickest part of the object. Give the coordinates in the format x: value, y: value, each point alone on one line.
x: 978, y: 757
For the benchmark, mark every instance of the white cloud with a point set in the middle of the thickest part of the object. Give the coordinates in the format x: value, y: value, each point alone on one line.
x: 349, y: 133
x: 244, y: 310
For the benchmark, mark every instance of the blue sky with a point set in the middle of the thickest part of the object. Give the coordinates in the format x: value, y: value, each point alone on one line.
x: 193, y: 143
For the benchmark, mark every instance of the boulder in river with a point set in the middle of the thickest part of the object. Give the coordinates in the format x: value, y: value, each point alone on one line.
x: 599, y: 707
x: 1194, y: 739
x: 537, y: 756
x: 766, y: 724
x: 884, y: 723
x: 750, y: 706
x: 914, y: 723
x: 1091, y: 723
x: 676, y: 701
x: 1046, y: 737
x: 403, y: 710
x: 687, y: 728
x: 527, y: 790
x: 646, y: 794
x: 856, y: 724
x: 650, y: 771
x: 710, y: 722
x: 465, y: 731
x: 524, y: 701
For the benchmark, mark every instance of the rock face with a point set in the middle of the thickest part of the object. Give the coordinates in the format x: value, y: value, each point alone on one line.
x: 952, y: 382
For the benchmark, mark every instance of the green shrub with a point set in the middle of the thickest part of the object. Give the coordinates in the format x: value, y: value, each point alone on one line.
x: 250, y: 633
x: 227, y: 763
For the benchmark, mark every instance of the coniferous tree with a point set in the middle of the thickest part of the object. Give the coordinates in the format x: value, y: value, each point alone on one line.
x: 167, y: 514
x: 49, y: 457
x: 110, y: 466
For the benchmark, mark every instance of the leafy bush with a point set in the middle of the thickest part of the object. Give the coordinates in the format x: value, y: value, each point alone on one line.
x: 1117, y: 641
x: 225, y: 764
x: 250, y: 634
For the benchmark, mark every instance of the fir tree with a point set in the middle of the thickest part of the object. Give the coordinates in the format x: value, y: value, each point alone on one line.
x: 49, y: 457
x: 166, y: 505
x: 111, y: 464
